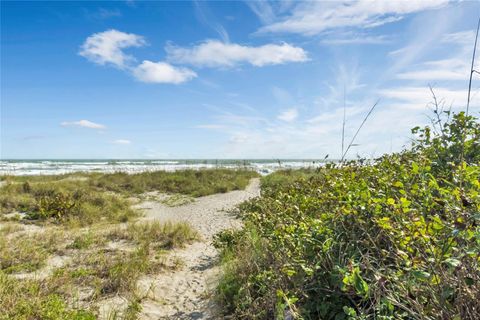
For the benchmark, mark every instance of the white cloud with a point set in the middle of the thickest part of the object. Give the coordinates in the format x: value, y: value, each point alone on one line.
x: 204, y: 15
x: 213, y: 53
x: 263, y: 10
x: 121, y: 141
x: 83, y: 124
x: 433, y: 74
x: 310, y: 18
x: 162, y: 72
x: 107, y: 47
x: 466, y: 37
x: 417, y: 98
x: 454, y: 67
x: 288, y: 115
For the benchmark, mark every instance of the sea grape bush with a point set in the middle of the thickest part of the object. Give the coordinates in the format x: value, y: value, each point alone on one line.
x: 398, y: 238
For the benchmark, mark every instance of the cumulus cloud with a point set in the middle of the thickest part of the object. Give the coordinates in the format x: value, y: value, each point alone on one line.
x: 162, y: 72
x: 310, y: 18
x: 214, y: 53
x: 107, y: 47
x: 121, y: 141
x: 288, y: 115
x: 83, y: 124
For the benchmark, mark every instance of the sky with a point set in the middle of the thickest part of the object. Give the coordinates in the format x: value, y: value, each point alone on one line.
x: 228, y: 79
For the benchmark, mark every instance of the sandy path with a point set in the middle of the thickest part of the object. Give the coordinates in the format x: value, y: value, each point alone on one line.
x: 184, y: 293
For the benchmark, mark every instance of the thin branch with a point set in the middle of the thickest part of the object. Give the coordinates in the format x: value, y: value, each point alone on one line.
x: 359, y: 128
x: 471, y: 69
x: 344, y: 116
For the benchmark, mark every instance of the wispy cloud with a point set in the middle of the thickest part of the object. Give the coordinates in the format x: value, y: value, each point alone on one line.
x: 83, y: 124
x: 288, y: 115
x: 213, y: 53
x: 162, y: 72
x: 309, y: 18
x: 121, y: 141
x: 454, y: 67
x: 418, y: 98
x: 204, y: 15
x: 107, y: 47
x: 210, y: 126
x: 102, y: 13
x: 356, y: 39
x: 263, y: 10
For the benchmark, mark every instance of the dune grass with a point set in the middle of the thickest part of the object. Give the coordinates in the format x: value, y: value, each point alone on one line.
x: 80, y: 219
x: 163, y: 235
x: 30, y: 299
x: 22, y: 252
x: 195, y: 183
x: 85, y: 199
x: 67, y: 201
x: 93, y: 271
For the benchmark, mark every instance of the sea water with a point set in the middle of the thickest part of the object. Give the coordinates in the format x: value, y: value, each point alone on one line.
x: 50, y: 167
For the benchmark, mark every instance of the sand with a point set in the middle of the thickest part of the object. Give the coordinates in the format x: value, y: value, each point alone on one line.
x: 186, y: 293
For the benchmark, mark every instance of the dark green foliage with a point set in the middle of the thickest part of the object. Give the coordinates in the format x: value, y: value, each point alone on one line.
x: 398, y: 238
x: 450, y: 142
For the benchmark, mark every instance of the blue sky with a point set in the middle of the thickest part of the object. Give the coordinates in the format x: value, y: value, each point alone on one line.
x: 226, y: 79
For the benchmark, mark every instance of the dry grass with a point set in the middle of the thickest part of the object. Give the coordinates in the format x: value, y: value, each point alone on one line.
x: 94, y: 271
x: 80, y: 220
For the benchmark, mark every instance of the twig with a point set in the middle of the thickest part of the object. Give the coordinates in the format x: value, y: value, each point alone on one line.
x: 358, y: 130
x: 472, y: 70
x: 343, y: 125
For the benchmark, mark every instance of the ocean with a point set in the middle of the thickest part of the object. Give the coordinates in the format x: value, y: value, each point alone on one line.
x: 50, y: 167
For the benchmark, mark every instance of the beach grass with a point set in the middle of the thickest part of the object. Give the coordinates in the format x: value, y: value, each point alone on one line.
x: 84, y: 199
x: 69, y: 243
x: 98, y: 264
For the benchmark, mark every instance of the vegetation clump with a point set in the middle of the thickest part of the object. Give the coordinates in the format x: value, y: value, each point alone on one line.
x: 91, y: 198
x: 98, y: 264
x: 396, y: 238
x: 195, y: 183
x: 28, y: 299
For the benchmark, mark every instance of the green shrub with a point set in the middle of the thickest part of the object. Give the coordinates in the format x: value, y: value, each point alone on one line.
x: 398, y: 238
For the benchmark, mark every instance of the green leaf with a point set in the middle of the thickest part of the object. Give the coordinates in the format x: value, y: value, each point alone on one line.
x: 453, y: 262
x: 414, y: 168
x: 421, y: 275
x: 398, y: 184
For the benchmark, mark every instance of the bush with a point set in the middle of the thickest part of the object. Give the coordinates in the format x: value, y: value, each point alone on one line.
x: 398, y: 238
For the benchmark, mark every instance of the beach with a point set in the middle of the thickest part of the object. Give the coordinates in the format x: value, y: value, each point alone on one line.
x: 175, y: 278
